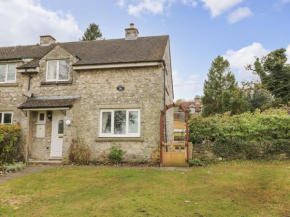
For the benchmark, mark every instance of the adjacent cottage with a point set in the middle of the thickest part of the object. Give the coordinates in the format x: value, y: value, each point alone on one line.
x: 103, y: 92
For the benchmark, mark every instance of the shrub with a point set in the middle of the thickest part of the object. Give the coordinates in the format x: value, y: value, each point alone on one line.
x: 79, y: 152
x: 258, y: 126
x: 14, y: 167
x: 116, y: 154
x: 9, y: 139
x: 196, y: 162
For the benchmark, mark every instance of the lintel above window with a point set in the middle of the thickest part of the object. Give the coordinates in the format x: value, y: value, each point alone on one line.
x: 8, y: 73
x: 57, y: 70
x: 120, y: 123
x: 6, y: 117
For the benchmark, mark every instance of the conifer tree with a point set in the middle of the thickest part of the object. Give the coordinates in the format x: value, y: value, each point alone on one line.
x: 93, y: 32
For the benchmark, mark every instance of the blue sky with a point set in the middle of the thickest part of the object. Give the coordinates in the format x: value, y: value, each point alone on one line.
x: 199, y: 29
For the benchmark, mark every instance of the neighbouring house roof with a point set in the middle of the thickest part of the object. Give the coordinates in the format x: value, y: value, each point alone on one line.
x: 188, y: 105
x: 143, y: 49
x: 47, y: 103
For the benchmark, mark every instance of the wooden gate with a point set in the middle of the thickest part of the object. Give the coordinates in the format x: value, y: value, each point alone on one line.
x: 174, y: 154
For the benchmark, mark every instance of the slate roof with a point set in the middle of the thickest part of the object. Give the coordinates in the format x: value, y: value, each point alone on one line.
x: 143, y: 49
x: 47, y: 103
x: 31, y: 64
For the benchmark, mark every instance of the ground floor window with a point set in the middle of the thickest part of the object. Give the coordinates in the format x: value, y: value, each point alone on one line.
x: 120, y: 123
x: 6, y: 117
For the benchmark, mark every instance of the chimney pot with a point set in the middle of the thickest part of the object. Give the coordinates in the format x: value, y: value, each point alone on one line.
x: 131, y: 25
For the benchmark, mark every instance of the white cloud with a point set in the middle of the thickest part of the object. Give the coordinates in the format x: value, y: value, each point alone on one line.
x: 25, y: 20
x: 121, y: 3
x: 190, y: 2
x: 288, y: 53
x: 217, y: 7
x: 186, y: 88
x: 241, y: 58
x: 138, y: 7
x: 239, y: 14
x: 147, y: 6
x: 285, y: 1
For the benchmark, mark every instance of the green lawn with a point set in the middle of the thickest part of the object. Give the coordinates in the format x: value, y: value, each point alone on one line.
x: 232, y: 189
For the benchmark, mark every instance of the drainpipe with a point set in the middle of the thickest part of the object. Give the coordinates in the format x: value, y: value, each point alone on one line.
x: 164, y: 98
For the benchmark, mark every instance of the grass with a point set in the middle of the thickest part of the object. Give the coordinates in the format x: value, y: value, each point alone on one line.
x: 231, y: 189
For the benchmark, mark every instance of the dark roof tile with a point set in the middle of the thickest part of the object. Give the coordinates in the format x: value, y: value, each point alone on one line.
x: 47, y: 103
x: 143, y: 49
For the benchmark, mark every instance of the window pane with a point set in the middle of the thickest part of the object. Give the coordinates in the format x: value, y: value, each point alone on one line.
x: 120, y: 122
x: 133, y: 122
x: 11, y: 72
x: 7, y: 118
x: 106, y: 122
x: 51, y: 70
x: 60, y: 127
x: 2, y: 73
x: 41, y: 116
x: 63, y: 70
x: 0, y: 118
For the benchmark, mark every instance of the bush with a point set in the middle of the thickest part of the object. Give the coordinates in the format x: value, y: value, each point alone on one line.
x: 258, y: 126
x: 116, y: 154
x: 14, y: 167
x: 258, y: 135
x: 79, y: 153
x: 9, y: 139
x: 196, y: 162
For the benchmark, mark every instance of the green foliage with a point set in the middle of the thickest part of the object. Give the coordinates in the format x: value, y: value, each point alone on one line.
x: 256, y: 96
x: 221, y: 91
x: 9, y: 138
x: 258, y: 126
x: 196, y: 162
x: 93, y: 32
x: 79, y: 152
x: 14, y: 167
x: 116, y: 154
x: 258, y: 135
x: 274, y: 73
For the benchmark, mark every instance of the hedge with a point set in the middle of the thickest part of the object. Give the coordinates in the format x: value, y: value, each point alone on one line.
x: 258, y: 135
x: 9, y: 138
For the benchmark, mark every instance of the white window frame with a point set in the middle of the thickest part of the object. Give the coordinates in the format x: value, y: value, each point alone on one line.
x: 38, y: 117
x: 112, y: 123
x: 6, y: 74
x: 3, y: 114
x: 57, y: 71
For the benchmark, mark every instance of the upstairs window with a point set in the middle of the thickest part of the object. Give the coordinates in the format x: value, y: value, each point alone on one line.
x: 57, y: 70
x: 120, y: 123
x: 8, y: 73
x: 6, y: 117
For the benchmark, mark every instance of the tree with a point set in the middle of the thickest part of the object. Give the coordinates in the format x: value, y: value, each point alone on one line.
x: 274, y: 73
x: 256, y: 96
x: 221, y: 91
x: 93, y: 32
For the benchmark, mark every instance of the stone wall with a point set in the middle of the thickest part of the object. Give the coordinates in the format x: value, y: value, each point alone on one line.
x: 144, y: 89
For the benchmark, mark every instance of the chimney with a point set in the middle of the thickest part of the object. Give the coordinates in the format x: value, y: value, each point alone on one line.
x: 131, y: 33
x: 197, y: 99
x: 46, y: 40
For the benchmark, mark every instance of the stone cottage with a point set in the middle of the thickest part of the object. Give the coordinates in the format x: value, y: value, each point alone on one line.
x: 103, y: 92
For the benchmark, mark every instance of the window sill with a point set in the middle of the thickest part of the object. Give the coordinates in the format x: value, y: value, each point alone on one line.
x: 45, y: 83
x: 120, y: 139
x: 9, y: 84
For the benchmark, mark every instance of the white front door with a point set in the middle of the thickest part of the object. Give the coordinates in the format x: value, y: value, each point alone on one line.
x: 57, y: 134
